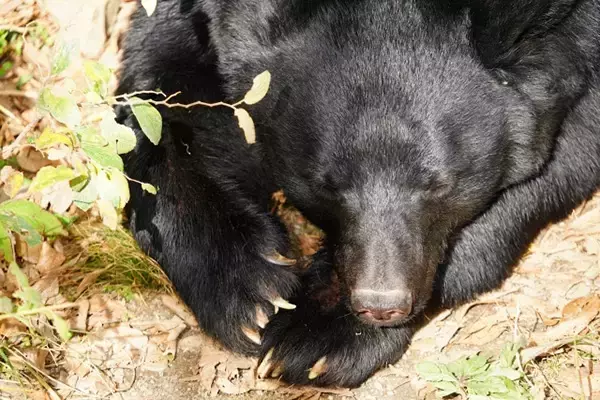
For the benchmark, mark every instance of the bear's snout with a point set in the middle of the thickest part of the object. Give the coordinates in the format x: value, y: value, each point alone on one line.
x: 381, y: 308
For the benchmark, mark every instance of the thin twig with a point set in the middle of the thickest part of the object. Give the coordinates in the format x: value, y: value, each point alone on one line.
x: 139, y: 92
x: 14, y: 28
x: 25, y: 361
x: 546, y: 381
x: 7, y: 112
x: 39, y: 310
x: 19, y: 93
x: 166, y: 103
x: 8, y: 150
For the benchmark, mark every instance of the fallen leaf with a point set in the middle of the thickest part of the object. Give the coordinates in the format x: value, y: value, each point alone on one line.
x: 50, y: 259
x: 179, y: 309
x: 31, y: 160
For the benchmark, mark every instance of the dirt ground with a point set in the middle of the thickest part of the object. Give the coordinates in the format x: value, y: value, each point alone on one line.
x: 148, y: 347
x: 563, y: 266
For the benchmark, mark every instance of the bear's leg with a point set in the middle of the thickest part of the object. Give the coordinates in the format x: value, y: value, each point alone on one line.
x: 321, y: 342
x: 208, y: 225
x: 486, y: 250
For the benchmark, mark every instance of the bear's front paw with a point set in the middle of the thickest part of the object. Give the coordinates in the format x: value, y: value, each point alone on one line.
x: 321, y: 342
x: 240, y: 304
x: 309, y: 347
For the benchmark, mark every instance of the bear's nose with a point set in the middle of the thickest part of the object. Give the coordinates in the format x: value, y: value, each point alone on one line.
x: 383, y: 308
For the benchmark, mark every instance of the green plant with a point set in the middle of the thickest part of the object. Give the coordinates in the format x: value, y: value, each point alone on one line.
x: 478, y: 377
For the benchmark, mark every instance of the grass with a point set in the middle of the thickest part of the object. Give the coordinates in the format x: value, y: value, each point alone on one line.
x: 109, y: 261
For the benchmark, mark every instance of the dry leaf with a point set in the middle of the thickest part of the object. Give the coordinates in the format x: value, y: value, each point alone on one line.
x: 581, y: 305
x: 125, y: 334
x: 58, y: 196
x: 260, y: 87
x: 47, y: 287
x: 12, y: 181
x: 31, y: 160
x: 179, y: 309
x: 50, y: 259
x: 247, y: 124
x: 80, y: 321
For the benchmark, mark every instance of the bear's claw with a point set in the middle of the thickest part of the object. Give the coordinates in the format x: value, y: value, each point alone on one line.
x: 276, y: 258
x: 251, y: 334
x: 264, y: 368
x: 281, y: 303
x: 261, y: 318
x: 318, y: 368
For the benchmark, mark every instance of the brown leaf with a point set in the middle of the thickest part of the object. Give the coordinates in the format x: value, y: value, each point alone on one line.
x: 566, y: 329
x: 58, y: 196
x: 31, y: 160
x: 227, y: 387
x: 47, y: 287
x: 581, y: 305
x: 50, y: 259
x: 30, y: 254
x: 80, y: 321
x: 179, y: 309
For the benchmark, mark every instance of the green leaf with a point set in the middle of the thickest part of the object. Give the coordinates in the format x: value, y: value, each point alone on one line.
x: 490, y: 385
x: 6, y: 246
x: 508, y: 373
x: 22, y: 226
x: 149, y: 119
x: 98, y: 76
x: 62, y: 327
x: 49, y: 139
x: 119, y: 137
x: 476, y: 365
x: 22, y: 81
x: 109, y: 214
x: 508, y: 355
x: 149, y: 188
x: 5, y: 67
x: 260, y: 87
x: 90, y: 135
x: 30, y: 296
x: 446, y: 388
x: 43, y: 222
x: 113, y: 187
x: 6, y: 305
x: 61, y: 59
x: 21, y: 278
x: 103, y: 155
x: 48, y: 176
x: 63, y: 108
x: 459, y: 367
x: 85, y: 198
x: 434, y: 372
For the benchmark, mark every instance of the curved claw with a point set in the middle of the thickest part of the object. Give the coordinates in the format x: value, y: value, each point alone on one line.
x: 277, y: 371
x: 276, y: 258
x: 252, y: 335
x: 281, y: 303
x: 318, y: 368
x: 261, y: 318
x: 265, y: 366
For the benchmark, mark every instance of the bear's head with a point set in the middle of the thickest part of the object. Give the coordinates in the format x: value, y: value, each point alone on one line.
x: 394, y: 151
x: 393, y: 136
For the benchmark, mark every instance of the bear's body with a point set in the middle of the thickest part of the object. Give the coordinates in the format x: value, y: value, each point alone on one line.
x: 430, y: 140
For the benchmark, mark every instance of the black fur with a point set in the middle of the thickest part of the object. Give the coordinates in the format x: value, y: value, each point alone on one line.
x: 430, y: 139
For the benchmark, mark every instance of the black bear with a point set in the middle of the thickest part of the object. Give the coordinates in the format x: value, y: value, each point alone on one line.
x: 431, y: 140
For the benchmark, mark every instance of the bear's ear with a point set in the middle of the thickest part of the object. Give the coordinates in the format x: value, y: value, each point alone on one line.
x: 499, y: 26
